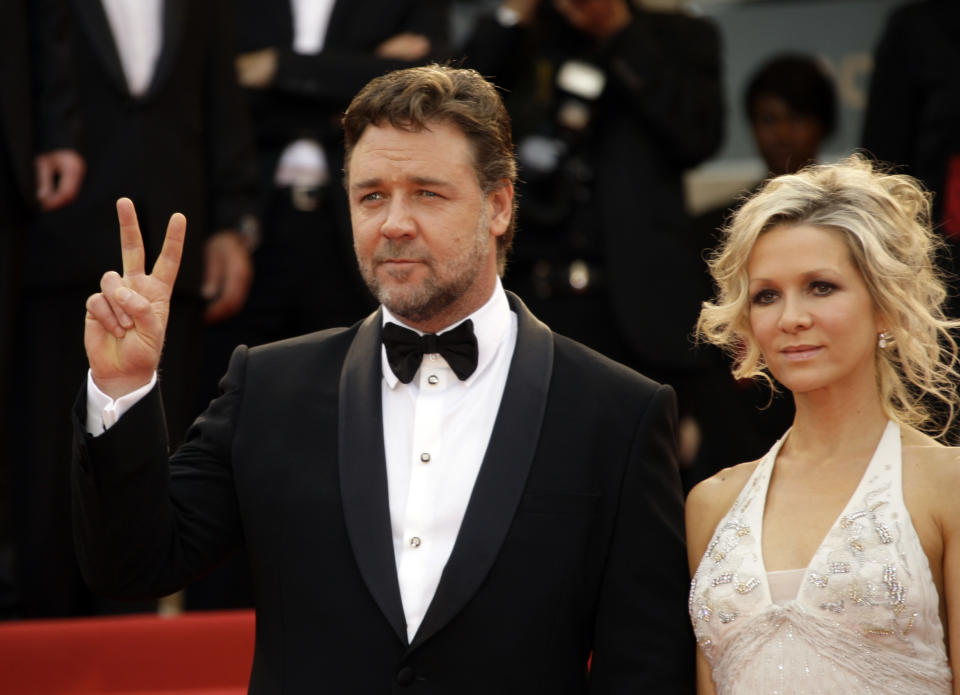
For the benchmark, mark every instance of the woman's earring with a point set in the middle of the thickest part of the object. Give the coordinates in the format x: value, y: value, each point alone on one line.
x: 883, y: 339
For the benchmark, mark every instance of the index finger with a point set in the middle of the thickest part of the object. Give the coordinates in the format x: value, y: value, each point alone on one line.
x: 131, y: 243
x: 168, y: 263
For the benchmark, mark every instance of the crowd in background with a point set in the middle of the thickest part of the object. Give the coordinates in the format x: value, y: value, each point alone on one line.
x: 229, y: 112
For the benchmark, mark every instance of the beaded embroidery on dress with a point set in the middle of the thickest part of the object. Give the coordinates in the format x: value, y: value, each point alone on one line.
x: 866, y: 619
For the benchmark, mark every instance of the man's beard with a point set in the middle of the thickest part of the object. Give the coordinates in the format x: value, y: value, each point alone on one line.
x: 417, y: 302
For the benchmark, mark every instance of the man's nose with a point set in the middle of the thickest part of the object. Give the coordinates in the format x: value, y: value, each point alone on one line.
x: 399, y: 221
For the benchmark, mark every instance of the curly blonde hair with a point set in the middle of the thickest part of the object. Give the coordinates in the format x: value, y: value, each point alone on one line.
x: 884, y: 220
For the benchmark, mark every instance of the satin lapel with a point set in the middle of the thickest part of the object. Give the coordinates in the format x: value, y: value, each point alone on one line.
x: 94, y: 21
x: 174, y: 19
x: 503, y: 475
x: 363, y: 472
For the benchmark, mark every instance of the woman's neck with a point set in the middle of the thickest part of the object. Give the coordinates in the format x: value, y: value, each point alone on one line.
x: 827, y: 427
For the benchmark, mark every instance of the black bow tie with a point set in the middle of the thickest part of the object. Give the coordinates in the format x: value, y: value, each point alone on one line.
x: 405, y: 349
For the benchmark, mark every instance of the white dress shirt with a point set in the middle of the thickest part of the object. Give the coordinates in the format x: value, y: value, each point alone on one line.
x: 435, y: 433
x: 137, y: 27
x: 310, y: 21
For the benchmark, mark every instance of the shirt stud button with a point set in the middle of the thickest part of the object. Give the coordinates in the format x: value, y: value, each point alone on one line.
x: 415, y: 542
x: 425, y: 457
x: 433, y: 380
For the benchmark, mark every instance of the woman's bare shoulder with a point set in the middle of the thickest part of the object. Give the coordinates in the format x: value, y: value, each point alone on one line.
x: 931, y: 471
x: 920, y: 449
x: 710, y: 499
x: 722, y: 488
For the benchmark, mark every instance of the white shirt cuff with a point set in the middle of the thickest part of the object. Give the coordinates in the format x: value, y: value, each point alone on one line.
x: 103, y: 412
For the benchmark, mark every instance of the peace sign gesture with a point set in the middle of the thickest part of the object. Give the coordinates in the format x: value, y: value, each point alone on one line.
x: 126, y: 321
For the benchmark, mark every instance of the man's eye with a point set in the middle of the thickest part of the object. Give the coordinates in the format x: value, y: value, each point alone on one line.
x: 764, y: 297
x: 428, y: 194
x: 372, y: 196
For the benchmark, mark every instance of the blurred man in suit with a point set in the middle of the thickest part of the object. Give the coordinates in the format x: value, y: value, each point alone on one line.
x: 164, y: 122
x: 300, y: 64
x: 40, y: 169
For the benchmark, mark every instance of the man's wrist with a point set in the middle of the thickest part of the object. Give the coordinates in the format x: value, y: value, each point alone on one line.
x: 103, y: 411
x: 119, y: 387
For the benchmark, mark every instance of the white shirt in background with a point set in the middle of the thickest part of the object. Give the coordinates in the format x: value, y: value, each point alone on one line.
x: 302, y: 162
x: 137, y: 27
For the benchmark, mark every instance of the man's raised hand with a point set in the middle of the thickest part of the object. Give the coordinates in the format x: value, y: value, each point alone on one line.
x: 126, y: 321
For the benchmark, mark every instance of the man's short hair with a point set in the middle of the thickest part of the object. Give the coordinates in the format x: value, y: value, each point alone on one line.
x: 411, y: 99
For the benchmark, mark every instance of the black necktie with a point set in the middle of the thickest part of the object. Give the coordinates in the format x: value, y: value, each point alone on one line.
x: 405, y: 349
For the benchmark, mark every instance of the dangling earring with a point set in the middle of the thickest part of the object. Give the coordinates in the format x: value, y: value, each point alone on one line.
x: 883, y: 339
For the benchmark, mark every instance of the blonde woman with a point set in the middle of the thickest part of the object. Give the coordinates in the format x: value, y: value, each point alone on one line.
x: 832, y: 565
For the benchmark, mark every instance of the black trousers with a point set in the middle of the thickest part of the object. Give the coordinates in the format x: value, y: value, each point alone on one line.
x: 11, y: 234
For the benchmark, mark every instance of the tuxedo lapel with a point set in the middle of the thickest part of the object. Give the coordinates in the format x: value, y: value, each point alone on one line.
x: 503, y: 474
x: 174, y: 19
x: 94, y: 21
x: 363, y: 472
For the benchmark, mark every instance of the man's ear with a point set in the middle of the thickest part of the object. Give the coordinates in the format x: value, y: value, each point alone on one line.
x: 500, y: 200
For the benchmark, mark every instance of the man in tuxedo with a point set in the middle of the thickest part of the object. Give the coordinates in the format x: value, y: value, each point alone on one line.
x: 445, y: 497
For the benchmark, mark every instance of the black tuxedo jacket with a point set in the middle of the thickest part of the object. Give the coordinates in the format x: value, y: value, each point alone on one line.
x: 572, y: 541
x: 185, y: 145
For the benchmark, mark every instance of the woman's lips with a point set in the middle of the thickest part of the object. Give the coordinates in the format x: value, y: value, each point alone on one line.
x: 800, y: 352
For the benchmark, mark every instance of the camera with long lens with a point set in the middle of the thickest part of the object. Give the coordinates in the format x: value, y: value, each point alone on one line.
x: 577, y: 87
x: 557, y: 179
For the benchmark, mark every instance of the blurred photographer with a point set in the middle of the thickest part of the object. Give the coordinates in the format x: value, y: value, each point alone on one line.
x: 611, y: 104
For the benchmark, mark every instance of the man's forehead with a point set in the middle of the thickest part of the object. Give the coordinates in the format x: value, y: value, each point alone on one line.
x: 437, y: 145
x: 386, y: 132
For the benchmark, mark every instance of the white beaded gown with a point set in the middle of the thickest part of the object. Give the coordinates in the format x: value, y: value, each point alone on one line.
x: 865, y: 618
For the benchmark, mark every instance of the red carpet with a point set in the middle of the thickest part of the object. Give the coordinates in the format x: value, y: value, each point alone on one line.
x: 195, y: 654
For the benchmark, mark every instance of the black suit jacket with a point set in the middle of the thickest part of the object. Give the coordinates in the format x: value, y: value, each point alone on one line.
x: 186, y: 145
x: 571, y: 543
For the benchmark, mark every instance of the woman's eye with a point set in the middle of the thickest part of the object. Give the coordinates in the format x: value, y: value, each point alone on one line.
x: 822, y: 289
x: 764, y: 297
